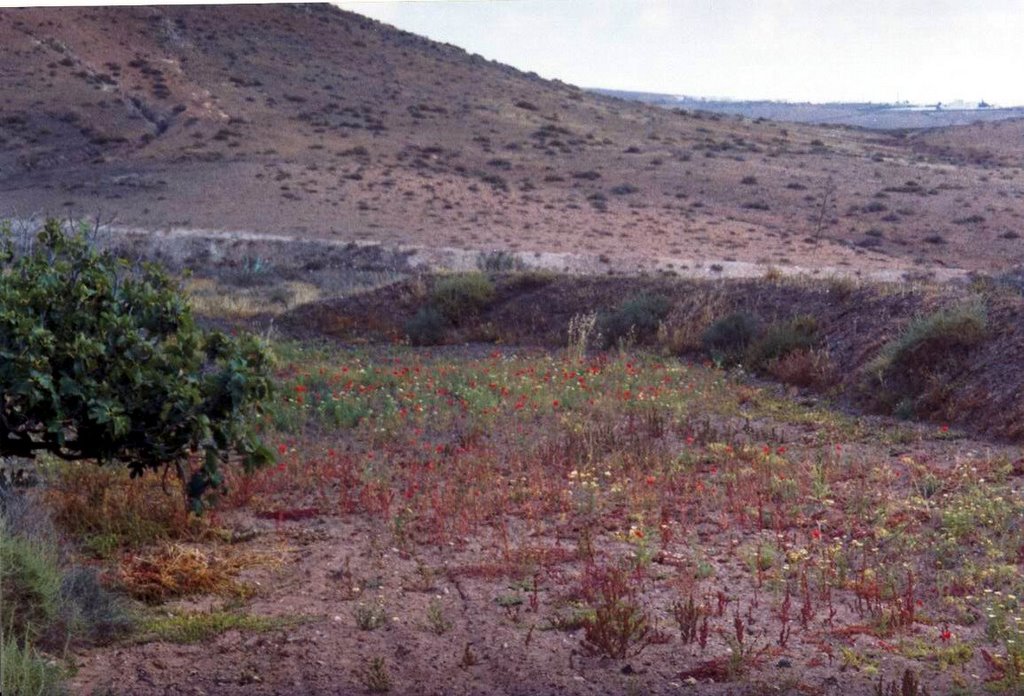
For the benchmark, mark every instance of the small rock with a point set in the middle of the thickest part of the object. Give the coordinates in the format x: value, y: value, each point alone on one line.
x: 784, y: 663
x: 628, y: 669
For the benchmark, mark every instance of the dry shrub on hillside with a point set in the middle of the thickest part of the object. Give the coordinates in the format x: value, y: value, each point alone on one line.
x: 807, y: 367
x: 690, y: 317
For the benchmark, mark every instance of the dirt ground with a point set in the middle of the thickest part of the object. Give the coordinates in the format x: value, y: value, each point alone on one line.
x: 486, y: 612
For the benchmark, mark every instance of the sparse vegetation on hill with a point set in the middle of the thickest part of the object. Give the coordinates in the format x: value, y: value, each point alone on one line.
x: 316, y: 136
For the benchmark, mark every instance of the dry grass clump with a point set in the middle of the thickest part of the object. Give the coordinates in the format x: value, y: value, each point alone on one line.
x: 211, y: 298
x: 107, y: 511
x: 175, y: 570
x: 805, y: 367
x: 691, y: 316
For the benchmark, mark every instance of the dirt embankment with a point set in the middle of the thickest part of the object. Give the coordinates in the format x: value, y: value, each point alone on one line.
x: 981, y: 390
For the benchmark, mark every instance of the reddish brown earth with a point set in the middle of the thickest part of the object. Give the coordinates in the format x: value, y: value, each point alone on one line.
x: 332, y: 563
x: 313, y: 122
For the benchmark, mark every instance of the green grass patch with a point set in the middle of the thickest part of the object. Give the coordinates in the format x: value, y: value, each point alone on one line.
x: 30, y: 578
x: 932, y: 337
x: 200, y: 626
x: 26, y: 672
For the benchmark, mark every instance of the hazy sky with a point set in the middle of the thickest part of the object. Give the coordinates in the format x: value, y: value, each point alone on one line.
x: 803, y: 50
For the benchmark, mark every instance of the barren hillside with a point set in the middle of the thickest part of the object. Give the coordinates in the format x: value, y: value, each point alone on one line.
x: 314, y: 122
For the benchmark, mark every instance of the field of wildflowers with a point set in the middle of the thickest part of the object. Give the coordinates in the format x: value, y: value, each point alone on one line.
x: 619, y: 519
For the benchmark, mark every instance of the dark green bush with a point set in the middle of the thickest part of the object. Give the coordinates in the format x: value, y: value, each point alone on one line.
x: 426, y: 328
x: 102, y: 361
x: 781, y: 339
x: 462, y: 296
x: 637, y: 317
x: 44, y: 601
x: 728, y: 338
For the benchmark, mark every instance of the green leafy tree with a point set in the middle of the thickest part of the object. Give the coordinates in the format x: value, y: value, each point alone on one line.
x: 101, y: 360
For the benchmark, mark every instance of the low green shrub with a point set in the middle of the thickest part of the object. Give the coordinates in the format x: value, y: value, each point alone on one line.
x: 728, y: 338
x: 44, y: 601
x: 30, y: 579
x: 461, y: 296
x: 426, y: 328
x: 637, y: 317
x: 781, y: 339
x: 23, y: 671
x: 911, y: 373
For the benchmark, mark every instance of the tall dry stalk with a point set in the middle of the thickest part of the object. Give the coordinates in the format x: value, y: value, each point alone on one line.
x: 581, y: 327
